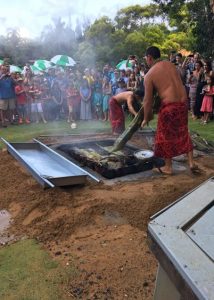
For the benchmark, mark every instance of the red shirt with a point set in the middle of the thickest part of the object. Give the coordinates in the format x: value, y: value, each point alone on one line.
x: 21, y: 98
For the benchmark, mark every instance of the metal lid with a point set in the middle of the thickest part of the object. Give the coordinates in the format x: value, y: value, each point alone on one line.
x: 144, y: 154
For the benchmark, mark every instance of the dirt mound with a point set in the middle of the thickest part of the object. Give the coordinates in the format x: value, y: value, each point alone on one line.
x: 100, y: 229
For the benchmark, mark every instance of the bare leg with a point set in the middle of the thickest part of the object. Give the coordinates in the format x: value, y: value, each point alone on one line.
x: 192, y: 104
x: 105, y: 116
x: 190, y: 159
x: 37, y: 117
x: 69, y: 117
x: 43, y: 117
x: 193, y: 167
x: 206, y: 117
x: 167, y: 169
x: 2, y: 118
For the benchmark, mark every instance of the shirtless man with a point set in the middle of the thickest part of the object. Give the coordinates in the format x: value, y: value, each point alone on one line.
x: 172, y: 137
x: 116, y: 113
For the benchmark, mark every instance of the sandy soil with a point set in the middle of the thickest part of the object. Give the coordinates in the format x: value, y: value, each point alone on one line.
x: 101, y: 229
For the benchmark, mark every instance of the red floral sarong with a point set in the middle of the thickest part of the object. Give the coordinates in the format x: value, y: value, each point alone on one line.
x: 116, y: 116
x: 172, y: 136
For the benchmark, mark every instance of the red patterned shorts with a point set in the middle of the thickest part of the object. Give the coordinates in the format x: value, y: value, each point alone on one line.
x: 172, y: 136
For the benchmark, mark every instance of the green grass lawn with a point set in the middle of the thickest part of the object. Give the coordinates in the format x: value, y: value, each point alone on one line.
x: 28, y: 273
x: 206, y: 131
x: 23, y: 133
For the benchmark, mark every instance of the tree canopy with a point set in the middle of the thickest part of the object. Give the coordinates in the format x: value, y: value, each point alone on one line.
x: 194, y: 16
x: 168, y: 24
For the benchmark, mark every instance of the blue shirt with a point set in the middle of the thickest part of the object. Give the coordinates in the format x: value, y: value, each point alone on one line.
x: 7, y: 88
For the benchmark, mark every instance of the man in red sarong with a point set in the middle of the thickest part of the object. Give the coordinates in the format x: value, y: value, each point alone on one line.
x: 172, y: 137
x: 117, y: 117
x: 116, y: 113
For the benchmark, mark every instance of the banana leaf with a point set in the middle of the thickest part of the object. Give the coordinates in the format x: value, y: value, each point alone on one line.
x: 128, y: 133
x: 201, y: 144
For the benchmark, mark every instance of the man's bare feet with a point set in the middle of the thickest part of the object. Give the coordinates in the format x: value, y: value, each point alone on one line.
x: 163, y: 171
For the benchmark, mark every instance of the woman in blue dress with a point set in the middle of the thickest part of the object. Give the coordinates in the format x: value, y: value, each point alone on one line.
x: 97, y: 98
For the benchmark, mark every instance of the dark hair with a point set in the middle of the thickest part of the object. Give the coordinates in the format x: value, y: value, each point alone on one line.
x: 200, y: 63
x: 153, y: 51
x: 211, y: 77
x: 209, y: 64
x: 121, y: 80
x: 179, y: 54
x: 139, y: 93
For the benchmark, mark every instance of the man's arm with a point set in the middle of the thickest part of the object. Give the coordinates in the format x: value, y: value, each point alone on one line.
x: 130, y: 100
x: 147, y: 100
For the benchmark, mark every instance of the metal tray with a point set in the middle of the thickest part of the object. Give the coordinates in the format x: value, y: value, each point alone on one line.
x: 49, y: 168
x: 182, y: 238
x: 131, y: 166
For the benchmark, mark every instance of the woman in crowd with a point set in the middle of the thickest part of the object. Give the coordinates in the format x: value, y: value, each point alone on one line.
x: 194, y: 79
x: 85, y: 104
x: 106, y: 89
x: 97, y: 98
x: 199, y: 97
x: 132, y: 82
x: 208, y: 69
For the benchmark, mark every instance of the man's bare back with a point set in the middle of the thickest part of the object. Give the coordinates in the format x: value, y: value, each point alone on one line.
x: 164, y: 78
x: 126, y: 97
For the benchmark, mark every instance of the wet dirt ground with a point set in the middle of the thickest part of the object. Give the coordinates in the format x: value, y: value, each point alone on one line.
x: 100, y: 228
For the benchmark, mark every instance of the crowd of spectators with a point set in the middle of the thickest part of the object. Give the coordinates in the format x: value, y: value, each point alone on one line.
x: 73, y: 94
x: 70, y: 93
x: 198, y: 77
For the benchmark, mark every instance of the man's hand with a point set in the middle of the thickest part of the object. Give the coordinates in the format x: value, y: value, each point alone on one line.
x: 144, y: 123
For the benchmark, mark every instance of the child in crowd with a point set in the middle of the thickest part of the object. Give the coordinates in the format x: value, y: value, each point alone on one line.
x: 207, y: 104
x: 36, y: 102
x: 72, y: 96
x: 21, y: 101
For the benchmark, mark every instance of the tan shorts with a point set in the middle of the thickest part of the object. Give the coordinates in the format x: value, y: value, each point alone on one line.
x: 9, y: 103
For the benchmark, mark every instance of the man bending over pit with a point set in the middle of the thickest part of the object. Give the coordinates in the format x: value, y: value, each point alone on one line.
x: 116, y: 112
